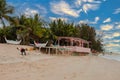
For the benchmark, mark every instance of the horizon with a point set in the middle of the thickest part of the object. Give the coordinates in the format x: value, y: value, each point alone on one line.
x: 105, y: 18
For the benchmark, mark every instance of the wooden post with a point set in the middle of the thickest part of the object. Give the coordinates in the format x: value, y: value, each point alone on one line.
x: 88, y: 44
x: 81, y: 43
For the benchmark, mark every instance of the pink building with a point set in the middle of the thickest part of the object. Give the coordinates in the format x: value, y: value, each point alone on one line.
x: 74, y: 44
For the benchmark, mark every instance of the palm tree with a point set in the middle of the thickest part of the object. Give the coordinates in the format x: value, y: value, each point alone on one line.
x: 30, y: 28
x: 5, y: 10
x: 62, y: 28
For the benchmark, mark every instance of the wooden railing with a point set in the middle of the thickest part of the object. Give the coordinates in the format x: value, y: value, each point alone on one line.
x: 76, y: 49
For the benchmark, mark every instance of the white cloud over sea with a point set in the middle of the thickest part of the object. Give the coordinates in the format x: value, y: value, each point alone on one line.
x: 112, y: 45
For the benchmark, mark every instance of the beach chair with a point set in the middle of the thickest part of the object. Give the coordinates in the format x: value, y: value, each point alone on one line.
x: 40, y: 45
x: 12, y: 41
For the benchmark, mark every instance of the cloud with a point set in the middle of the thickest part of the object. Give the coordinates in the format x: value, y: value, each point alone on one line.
x: 106, y: 27
x: 107, y: 37
x: 116, y: 34
x: 118, y: 26
x: 93, y: 1
x: 113, y: 41
x: 87, y: 5
x: 80, y: 2
x: 29, y: 8
x: 63, y: 8
x: 107, y: 20
x: 117, y: 11
x: 90, y: 22
x: 97, y: 19
x: 54, y: 18
x: 30, y: 12
x: 112, y: 45
x: 117, y: 23
x: 116, y: 41
x: 41, y: 9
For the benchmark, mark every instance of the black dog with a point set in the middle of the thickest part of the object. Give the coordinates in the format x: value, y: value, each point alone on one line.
x: 22, y: 50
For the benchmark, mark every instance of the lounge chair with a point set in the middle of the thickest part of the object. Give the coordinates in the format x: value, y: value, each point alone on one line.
x: 40, y: 45
x: 12, y: 41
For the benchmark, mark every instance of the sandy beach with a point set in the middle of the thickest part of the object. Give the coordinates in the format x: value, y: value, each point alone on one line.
x: 38, y: 66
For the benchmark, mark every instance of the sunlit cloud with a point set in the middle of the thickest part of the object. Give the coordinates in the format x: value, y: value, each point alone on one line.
x: 116, y: 34
x: 63, y: 8
x: 97, y: 19
x: 115, y: 41
x: 80, y: 2
x: 112, y: 45
x: 107, y: 20
x: 117, y: 11
x: 118, y: 26
x: 112, y: 41
x: 87, y: 4
x: 54, y: 18
x: 106, y: 27
x: 30, y: 12
x: 107, y: 37
x: 87, y: 7
x: 111, y: 36
x: 90, y: 22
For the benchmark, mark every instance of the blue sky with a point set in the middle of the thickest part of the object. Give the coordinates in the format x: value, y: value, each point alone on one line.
x: 103, y: 15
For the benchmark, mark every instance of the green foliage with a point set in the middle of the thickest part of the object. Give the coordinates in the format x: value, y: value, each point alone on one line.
x: 1, y: 35
x: 88, y: 33
x: 5, y: 10
x: 61, y: 28
x: 30, y: 28
x: 1, y: 32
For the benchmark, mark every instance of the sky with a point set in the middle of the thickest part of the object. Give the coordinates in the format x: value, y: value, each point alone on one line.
x: 103, y: 15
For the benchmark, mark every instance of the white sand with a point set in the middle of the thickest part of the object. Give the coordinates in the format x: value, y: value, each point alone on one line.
x: 10, y: 54
x: 36, y: 66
